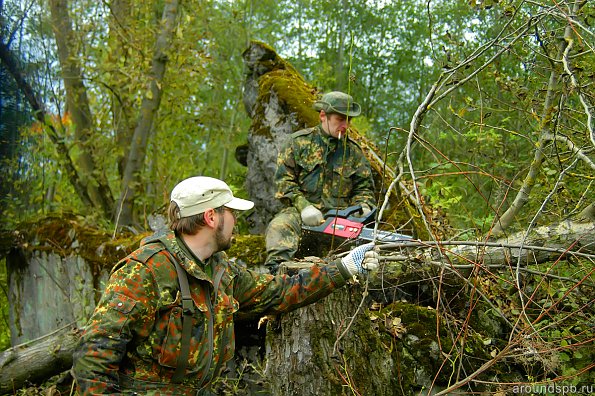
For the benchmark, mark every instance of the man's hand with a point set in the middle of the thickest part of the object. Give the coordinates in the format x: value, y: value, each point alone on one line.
x: 360, y: 260
x: 311, y: 216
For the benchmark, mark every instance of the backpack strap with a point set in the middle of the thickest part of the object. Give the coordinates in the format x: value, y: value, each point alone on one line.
x: 187, y: 313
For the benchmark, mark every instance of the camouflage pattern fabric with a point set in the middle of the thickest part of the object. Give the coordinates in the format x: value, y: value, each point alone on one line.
x: 282, y: 236
x: 314, y: 168
x: 132, y: 341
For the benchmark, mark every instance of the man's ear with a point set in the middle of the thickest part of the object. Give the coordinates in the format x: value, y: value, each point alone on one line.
x: 322, y: 116
x: 209, y: 217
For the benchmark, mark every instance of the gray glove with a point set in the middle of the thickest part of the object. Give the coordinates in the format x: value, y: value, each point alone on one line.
x: 360, y: 260
x: 311, y: 216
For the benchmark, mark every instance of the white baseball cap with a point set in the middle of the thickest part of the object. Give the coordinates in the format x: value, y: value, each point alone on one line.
x: 197, y: 194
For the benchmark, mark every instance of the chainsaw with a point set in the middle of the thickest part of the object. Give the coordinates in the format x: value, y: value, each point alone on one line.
x: 347, y: 227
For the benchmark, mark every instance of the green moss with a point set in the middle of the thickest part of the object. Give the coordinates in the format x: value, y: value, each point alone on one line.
x: 293, y: 92
x: 67, y: 234
x: 295, y: 95
x: 423, y: 352
x: 249, y: 249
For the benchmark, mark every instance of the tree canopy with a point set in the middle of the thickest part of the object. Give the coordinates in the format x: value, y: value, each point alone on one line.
x: 490, y: 99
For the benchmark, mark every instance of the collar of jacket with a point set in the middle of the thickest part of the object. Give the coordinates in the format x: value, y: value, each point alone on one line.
x: 187, y: 260
x: 326, y: 138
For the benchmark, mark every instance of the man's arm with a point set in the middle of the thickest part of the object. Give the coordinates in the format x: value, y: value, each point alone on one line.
x: 109, y: 330
x: 286, y: 179
x: 267, y: 294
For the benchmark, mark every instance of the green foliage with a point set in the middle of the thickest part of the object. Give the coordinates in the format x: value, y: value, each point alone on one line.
x: 201, y: 104
x: 486, y: 128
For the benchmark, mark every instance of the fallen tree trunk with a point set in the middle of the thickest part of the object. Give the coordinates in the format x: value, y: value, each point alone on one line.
x: 37, y: 360
x: 542, y: 244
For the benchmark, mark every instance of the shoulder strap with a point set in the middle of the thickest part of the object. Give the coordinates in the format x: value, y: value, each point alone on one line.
x: 187, y: 311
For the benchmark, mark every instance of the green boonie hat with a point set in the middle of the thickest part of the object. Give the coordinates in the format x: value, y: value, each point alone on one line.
x: 338, y: 102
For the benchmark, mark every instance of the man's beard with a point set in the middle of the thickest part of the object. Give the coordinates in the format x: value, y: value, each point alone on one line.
x: 222, y: 242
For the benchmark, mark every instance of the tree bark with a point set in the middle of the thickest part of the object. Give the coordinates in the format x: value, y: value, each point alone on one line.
x: 588, y: 214
x: 318, y: 350
x: 545, y: 243
x: 272, y: 123
x: 37, y: 360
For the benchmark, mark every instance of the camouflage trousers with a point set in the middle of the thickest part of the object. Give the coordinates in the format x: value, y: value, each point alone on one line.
x: 282, y: 237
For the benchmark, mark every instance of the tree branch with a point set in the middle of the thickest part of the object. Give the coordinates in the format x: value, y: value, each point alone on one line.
x: 578, y: 88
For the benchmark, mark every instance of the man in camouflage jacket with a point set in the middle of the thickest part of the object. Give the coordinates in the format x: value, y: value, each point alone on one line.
x: 318, y: 169
x: 136, y: 341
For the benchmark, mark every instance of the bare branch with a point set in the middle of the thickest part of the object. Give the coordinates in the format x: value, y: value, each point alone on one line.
x: 580, y: 153
x: 575, y: 84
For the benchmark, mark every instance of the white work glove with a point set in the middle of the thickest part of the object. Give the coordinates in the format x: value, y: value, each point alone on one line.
x: 311, y: 216
x: 360, y: 260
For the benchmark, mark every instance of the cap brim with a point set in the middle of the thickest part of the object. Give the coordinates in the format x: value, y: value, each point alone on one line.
x: 240, y: 204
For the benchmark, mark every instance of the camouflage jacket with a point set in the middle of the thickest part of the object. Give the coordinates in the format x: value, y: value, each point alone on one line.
x: 315, y: 168
x: 132, y: 341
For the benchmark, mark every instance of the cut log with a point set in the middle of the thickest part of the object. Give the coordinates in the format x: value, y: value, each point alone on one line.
x: 37, y: 360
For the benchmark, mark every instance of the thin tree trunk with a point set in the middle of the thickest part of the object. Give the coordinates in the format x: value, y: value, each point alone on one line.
x: 122, y: 106
x: 77, y: 104
x: 150, y: 106
x: 548, y: 118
